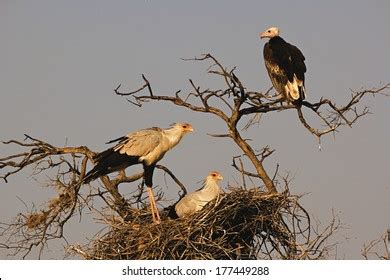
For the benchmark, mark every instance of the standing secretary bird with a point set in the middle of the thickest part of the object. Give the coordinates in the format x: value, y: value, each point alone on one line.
x: 195, y: 201
x: 286, y: 67
x: 146, y: 147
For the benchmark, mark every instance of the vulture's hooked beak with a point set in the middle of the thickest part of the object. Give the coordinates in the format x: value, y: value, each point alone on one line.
x: 263, y: 34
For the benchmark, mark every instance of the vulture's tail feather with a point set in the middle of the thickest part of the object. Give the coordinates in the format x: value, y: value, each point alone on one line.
x: 109, y: 161
x: 302, y: 92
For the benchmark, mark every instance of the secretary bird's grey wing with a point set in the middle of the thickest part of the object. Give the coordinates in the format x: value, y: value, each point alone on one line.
x: 140, y: 143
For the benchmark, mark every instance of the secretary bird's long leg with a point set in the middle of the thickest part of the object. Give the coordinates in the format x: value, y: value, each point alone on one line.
x: 153, y: 206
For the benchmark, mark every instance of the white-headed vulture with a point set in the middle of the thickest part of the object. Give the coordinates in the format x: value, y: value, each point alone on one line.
x: 286, y: 67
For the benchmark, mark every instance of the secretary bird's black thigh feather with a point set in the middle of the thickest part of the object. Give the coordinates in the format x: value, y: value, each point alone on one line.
x: 109, y: 161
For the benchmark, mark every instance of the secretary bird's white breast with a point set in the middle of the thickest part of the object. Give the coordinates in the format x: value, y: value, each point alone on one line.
x: 195, y: 201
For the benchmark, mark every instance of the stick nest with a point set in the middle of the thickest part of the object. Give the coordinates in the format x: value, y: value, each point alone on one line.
x: 241, y: 224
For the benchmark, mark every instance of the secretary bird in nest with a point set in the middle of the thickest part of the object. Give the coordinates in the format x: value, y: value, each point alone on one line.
x: 195, y: 201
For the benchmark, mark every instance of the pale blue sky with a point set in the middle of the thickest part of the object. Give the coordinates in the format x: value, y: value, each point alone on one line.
x: 60, y: 60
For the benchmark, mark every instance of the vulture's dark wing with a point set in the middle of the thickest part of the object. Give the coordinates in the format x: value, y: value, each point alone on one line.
x: 275, y: 63
x: 288, y: 58
x: 298, y: 62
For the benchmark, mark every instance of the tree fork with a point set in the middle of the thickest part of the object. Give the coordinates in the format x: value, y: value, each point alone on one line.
x: 248, y: 151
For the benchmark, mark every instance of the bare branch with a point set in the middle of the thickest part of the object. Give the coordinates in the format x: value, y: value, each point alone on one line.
x: 339, y: 116
x: 379, y: 248
x: 169, y: 172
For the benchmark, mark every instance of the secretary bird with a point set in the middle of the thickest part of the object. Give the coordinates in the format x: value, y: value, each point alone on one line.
x: 195, y: 201
x: 146, y: 147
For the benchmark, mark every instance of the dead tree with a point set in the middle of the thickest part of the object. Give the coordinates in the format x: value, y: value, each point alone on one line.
x: 379, y: 248
x: 235, y: 102
x: 283, y: 230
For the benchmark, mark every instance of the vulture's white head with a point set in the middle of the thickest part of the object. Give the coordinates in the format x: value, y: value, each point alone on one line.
x: 214, y: 176
x: 270, y: 33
